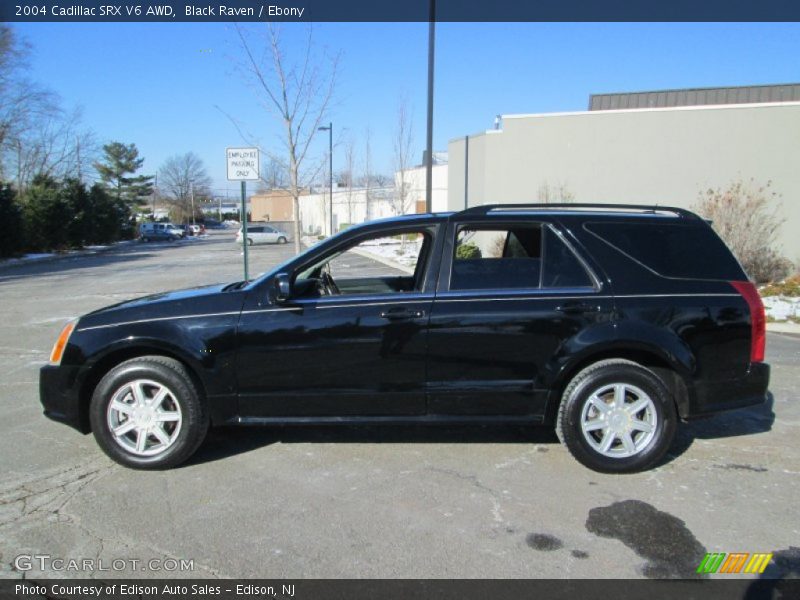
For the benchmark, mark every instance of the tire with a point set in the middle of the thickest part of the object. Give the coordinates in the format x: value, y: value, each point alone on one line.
x: 180, y: 416
x: 145, y: 239
x: 249, y: 241
x: 281, y: 240
x: 604, y: 435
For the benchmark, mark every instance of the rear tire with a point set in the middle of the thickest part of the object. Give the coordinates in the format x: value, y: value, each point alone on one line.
x: 145, y: 239
x: 147, y: 413
x: 249, y: 241
x: 617, y: 416
x: 281, y: 240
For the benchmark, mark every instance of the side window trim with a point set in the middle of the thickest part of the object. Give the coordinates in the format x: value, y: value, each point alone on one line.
x: 432, y: 231
x: 589, y: 271
x: 448, y: 257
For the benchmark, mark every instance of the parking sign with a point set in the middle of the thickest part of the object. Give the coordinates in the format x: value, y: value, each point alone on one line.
x: 243, y: 164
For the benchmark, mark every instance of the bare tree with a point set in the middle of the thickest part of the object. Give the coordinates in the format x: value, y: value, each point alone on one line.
x: 367, y: 178
x: 402, y: 143
x: 558, y: 193
x: 273, y: 175
x: 36, y: 135
x: 183, y: 177
x: 347, y: 178
x: 298, y: 93
x: 748, y: 216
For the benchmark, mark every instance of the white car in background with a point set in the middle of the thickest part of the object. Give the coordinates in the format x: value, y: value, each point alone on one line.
x: 258, y: 233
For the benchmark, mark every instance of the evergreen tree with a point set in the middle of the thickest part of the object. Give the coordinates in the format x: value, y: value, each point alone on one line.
x: 47, y: 215
x: 110, y: 217
x: 11, y: 239
x: 120, y: 162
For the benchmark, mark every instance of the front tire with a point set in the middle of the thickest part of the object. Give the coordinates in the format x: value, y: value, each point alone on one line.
x: 249, y: 241
x: 147, y: 413
x: 617, y: 416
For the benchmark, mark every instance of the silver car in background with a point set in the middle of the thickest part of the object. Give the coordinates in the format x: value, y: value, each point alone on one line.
x: 259, y: 233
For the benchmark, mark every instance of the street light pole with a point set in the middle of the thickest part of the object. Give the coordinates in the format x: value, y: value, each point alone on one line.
x: 329, y: 129
x: 429, y: 145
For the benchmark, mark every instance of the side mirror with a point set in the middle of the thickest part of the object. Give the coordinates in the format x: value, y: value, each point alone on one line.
x: 283, y: 287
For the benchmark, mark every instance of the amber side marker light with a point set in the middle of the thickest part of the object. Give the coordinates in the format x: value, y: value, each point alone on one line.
x: 61, y: 343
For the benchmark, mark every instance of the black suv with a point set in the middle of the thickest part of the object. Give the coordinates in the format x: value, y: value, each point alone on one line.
x: 609, y: 322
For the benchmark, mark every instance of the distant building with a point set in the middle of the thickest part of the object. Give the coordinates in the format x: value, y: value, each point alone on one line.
x: 664, y: 147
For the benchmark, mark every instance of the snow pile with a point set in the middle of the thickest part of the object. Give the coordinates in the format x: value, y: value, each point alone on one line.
x: 782, y: 308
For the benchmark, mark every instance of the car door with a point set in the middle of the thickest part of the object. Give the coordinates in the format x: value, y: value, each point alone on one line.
x: 512, y: 297
x: 270, y: 235
x: 357, y: 350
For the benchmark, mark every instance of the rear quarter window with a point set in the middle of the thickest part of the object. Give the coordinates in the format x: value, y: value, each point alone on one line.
x: 676, y: 250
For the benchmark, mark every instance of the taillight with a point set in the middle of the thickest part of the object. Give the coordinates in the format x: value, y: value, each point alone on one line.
x: 61, y: 343
x: 758, y: 318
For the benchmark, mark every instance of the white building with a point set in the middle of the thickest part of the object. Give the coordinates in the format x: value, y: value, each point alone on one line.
x: 650, y: 148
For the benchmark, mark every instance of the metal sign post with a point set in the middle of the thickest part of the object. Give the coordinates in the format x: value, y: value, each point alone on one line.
x: 243, y: 165
x: 245, y: 241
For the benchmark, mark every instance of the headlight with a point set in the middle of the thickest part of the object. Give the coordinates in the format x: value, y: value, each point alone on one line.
x: 61, y: 343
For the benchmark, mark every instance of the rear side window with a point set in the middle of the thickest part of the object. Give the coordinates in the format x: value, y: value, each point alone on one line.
x: 679, y: 250
x: 562, y: 269
x: 256, y: 229
x: 516, y: 257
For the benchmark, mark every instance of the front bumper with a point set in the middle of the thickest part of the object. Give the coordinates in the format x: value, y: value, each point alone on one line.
x: 59, y: 395
x: 719, y: 396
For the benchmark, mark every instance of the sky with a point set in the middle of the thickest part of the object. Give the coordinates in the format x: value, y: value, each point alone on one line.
x: 167, y: 87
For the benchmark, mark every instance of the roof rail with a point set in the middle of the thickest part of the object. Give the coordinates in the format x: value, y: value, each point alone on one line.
x: 645, y: 208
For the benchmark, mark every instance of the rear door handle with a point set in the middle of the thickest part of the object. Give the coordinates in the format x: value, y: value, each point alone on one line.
x: 575, y: 308
x: 400, y: 314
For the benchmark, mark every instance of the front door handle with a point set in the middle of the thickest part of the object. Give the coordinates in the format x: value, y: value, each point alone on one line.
x: 401, y: 314
x: 575, y: 308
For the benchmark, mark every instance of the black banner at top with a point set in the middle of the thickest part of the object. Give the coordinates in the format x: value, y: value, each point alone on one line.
x: 396, y: 10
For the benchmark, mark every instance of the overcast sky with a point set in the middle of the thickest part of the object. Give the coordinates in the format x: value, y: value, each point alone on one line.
x: 159, y: 85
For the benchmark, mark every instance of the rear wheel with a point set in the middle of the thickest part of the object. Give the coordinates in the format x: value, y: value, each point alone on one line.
x: 145, y: 239
x: 249, y: 241
x: 147, y: 413
x: 281, y: 240
x: 616, y: 416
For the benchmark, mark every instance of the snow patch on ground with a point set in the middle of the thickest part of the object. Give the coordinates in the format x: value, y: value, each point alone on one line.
x: 395, y: 250
x: 782, y: 308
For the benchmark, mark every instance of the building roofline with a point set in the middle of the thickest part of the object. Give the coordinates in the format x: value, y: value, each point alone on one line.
x: 654, y: 109
x: 697, y: 89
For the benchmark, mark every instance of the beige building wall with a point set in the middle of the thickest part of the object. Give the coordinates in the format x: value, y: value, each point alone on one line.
x: 648, y: 156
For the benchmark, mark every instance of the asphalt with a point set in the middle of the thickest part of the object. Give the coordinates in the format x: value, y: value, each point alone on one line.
x: 495, y: 502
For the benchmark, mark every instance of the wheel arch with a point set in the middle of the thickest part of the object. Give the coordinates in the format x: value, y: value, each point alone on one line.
x: 671, y: 371
x: 103, y: 364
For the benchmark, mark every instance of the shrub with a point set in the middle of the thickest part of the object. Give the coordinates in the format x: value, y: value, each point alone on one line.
x: 47, y: 215
x: 788, y: 287
x: 468, y: 251
x: 747, y: 217
x: 11, y: 235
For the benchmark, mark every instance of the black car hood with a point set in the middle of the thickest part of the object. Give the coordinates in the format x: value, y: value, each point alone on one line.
x: 192, y: 301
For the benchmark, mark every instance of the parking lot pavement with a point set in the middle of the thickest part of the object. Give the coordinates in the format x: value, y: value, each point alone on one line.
x: 374, y: 501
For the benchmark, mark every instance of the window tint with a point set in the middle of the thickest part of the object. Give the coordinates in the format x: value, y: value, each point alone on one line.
x: 681, y: 250
x: 495, y: 258
x: 255, y: 229
x: 562, y: 269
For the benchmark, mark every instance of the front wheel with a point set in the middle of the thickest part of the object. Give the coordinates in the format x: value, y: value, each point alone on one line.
x: 249, y: 241
x: 147, y: 413
x: 617, y: 416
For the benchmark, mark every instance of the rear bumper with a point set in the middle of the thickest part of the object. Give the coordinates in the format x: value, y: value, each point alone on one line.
x: 719, y: 396
x: 58, y: 393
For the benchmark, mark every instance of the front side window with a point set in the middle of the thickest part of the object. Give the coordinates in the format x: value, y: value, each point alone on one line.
x: 386, y: 263
x: 527, y: 256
